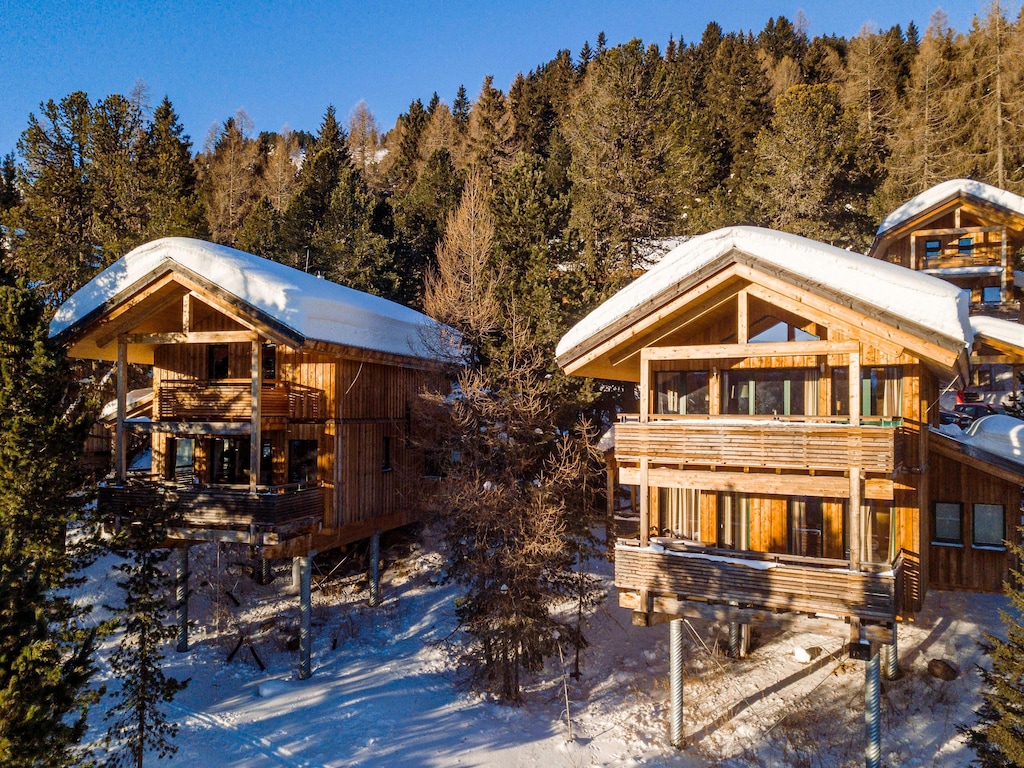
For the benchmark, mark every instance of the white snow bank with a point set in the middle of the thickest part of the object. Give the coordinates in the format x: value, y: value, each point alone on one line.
x: 947, y: 190
x: 921, y: 299
x: 1005, y: 331
x: 132, y: 399
x: 315, y: 308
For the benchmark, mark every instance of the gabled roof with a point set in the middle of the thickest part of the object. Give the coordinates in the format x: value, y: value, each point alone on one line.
x: 310, y: 308
x: 930, y: 307
x: 949, y: 190
x: 996, y: 329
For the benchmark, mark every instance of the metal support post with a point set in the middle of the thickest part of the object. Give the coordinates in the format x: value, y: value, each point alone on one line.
x: 305, y: 635
x: 181, y: 597
x: 675, y: 674
x: 739, y: 640
x: 891, y: 658
x: 264, y: 572
x: 872, y: 696
x: 375, y: 570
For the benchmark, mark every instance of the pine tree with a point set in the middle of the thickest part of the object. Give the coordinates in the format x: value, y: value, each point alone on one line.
x: 139, y: 722
x: 46, y: 651
x: 998, y: 735
x: 9, y: 195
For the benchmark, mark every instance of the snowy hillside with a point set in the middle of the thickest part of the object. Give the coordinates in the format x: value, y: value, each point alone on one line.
x: 385, y: 690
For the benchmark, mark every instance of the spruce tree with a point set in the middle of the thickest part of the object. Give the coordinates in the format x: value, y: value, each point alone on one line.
x: 998, y: 736
x: 46, y: 648
x: 461, y: 106
x: 139, y: 720
x: 169, y: 178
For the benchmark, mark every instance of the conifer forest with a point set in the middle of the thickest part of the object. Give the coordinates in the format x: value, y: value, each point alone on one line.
x: 507, y: 215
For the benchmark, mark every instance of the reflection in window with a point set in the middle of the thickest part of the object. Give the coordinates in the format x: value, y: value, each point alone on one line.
x: 681, y: 392
x: 964, y: 246
x: 932, y: 249
x: 947, y: 522
x: 806, y: 527
x: 269, y: 357
x: 733, y: 521
x: 881, y: 392
x: 988, y: 525
x: 302, y: 461
x: 778, y: 392
x: 990, y: 294
x: 229, y: 460
x: 880, y: 520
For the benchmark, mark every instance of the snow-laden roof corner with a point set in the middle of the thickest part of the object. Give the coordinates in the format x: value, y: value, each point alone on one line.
x: 947, y: 190
x: 921, y: 299
x: 315, y: 308
x: 1000, y: 435
x: 1006, y: 331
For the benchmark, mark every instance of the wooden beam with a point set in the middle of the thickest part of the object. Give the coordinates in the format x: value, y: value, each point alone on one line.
x: 743, y: 351
x: 206, y: 337
x: 856, y: 538
x: 120, y: 453
x: 742, y: 318
x: 255, y: 443
x: 186, y: 313
x: 186, y: 428
x: 854, y: 383
x: 955, y: 231
x: 645, y: 502
x: 824, y: 486
x: 122, y: 318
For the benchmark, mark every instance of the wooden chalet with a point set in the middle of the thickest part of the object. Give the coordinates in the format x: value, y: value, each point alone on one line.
x: 766, y: 483
x: 963, y: 231
x: 281, y: 403
x: 280, y: 415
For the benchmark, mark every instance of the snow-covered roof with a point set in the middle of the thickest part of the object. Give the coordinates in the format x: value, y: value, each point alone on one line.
x: 314, y: 308
x: 921, y: 299
x: 947, y: 190
x: 997, y: 435
x: 996, y: 329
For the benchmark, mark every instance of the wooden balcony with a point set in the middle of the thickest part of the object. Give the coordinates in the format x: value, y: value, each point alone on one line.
x: 231, y: 400
x: 281, y: 509
x: 671, y: 573
x: 766, y: 444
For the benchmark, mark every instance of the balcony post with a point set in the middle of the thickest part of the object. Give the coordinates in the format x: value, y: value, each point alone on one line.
x: 645, y: 503
x: 305, y: 615
x: 120, y: 455
x: 675, y: 675
x: 645, y: 387
x: 255, y: 441
x: 856, y: 521
x: 1003, y: 296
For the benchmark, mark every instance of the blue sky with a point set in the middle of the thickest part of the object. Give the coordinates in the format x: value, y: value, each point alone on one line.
x: 284, y: 62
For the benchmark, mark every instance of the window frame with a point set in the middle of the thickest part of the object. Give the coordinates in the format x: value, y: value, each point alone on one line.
x: 947, y: 541
x: 997, y: 545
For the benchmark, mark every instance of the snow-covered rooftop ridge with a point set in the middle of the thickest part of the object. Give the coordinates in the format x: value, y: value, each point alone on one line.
x: 997, y: 434
x: 946, y: 191
x: 921, y: 299
x: 1005, y: 331
x: 315, y: 308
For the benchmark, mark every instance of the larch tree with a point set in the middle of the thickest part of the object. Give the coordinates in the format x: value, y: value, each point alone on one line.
x: 281, y: 171
x: 363, y: 137
x: 231, y: 163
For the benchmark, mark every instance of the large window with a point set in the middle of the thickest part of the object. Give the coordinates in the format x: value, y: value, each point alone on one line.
x: 681, y: 391
x: 988, y: 525
x: 302, y: 461
x: 217, y: 361
x: 269, y: 358
x: 733, y: 521
x: 947, y: 523
x: 776, y: 392
x: 680, y: 512
x: 880, y: 393
x: 229, y: 460
x: 180, y: 464
x: 806, y: 527
x: 880, y: 521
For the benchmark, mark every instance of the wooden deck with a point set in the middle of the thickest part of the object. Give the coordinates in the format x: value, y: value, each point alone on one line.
x: 776, y: 583
x: 282, y: 508
x: 771, y: 444
x: 231, y: 400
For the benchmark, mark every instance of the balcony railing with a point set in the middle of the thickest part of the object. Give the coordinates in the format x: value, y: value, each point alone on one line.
x: 231, y: 400
x: 278, y: 507
x: 772, y: 444
x: 756, y: 580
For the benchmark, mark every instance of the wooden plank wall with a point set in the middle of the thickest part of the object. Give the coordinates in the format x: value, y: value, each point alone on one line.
x: 965, y: 567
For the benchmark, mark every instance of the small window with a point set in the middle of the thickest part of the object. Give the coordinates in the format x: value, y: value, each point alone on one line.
x: 217, y: 361
x: 302, y: 461
x: 988, y: 525
x: 947, y: 523
x: 932, y: 248
x: 386, y: 463
x: 965, y: 246
x: 681, y: 392
x: 990, y: 294
x: 269, y: 362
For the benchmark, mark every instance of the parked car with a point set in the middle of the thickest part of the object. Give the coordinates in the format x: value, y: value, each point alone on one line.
x: 967, y: 413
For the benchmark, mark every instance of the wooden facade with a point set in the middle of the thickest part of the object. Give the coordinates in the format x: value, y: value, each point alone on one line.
x: 259, y: 435
x: 766, y: 483
x: 960, y: 232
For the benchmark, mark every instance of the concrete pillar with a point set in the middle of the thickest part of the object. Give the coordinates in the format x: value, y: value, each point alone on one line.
x: 181, y: 597
x: 675, y: 679
x: 872, y: 696
x: 375, y: 570
x: 305, y: 614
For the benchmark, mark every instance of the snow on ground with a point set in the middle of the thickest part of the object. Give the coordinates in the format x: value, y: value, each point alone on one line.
x: 385, y: 689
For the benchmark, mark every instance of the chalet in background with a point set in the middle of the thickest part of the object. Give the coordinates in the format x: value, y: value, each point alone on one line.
x: 966, y: 232
x: 280, y: 412
x: 786, y: 456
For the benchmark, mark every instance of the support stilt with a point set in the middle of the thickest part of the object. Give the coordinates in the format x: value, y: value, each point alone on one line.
x: 264, y: 572
x: 305, y: 635
x: 675, y: 674
x: 891, y: 659
x: 872, y: 695
x: 181, y: 598
x: 375, y: 570
x: 739, y: 640
x: 296, y: 573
